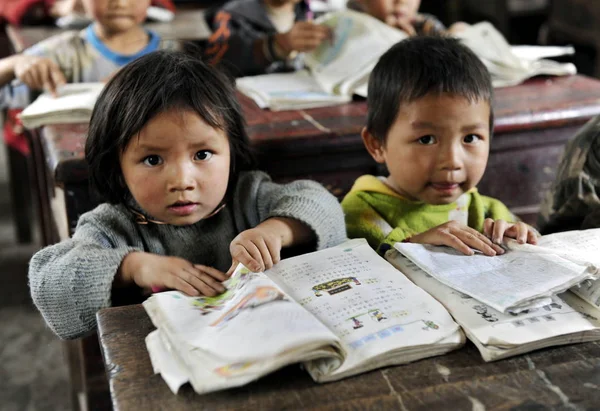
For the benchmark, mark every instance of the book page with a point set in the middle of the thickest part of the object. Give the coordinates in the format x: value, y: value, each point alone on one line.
x: 73, y: 104
x: 508, y: 282
x: 580, y: 246
x: 363, y: 300
x: 253, y: 310
x: 565, y: 314
x: 286, y: 90
x: 358, y: 41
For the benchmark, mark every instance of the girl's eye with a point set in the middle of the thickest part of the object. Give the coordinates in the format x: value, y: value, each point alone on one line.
x: 203, y: 155
x: 471, y: 138
x: 152, y: 161
x: 426, y: 140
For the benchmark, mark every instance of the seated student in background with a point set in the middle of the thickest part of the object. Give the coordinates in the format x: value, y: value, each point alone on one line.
x: 430, y: 122
x: 404, y: 14
x: 168, y: 151
x: 253, y: 37
x: 115, y: 38
x: 573, y: 201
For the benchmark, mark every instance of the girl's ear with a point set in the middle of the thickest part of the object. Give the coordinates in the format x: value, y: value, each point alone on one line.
x: 374, y: 145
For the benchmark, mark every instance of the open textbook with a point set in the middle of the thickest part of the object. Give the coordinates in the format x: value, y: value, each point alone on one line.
x: 565, y: 319
x: 509, y: 66
x: 525, y: 277
x: 73, y: 104
x: 339, y: 311
x: 338, y: 69
x: 335, y: 70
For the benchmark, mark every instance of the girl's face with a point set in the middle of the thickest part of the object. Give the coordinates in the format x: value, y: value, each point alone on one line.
x: 117, y: 15
x: 177, y: 169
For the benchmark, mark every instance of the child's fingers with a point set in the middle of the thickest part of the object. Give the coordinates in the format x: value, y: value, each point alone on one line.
x: 213, y: 272
x: 265, y: 254
x: 488, y: 227
x: 522, y: 230
x: 249, y: 258
x: 476, y: 240
x: 202, y: 282
x: 531, y: 236
x: 453, y: 241
x: 234, y: 264
x: 55, y: 77
x: 500, y: 227
x: 274, y: 250
x: 178, y: 283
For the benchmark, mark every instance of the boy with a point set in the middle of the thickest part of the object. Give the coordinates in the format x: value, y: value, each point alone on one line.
x: 115, y: 38
x: 255, y: 37
x: 430, y: 121
x: 404, y: 15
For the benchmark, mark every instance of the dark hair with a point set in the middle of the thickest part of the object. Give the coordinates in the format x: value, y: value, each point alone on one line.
x: 146, y: 87
x: 417, y: 66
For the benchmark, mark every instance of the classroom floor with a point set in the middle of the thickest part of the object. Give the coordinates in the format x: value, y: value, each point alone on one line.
x: 32, y: 368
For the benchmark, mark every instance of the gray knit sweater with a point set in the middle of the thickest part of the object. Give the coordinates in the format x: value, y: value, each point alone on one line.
x: 72, y: 280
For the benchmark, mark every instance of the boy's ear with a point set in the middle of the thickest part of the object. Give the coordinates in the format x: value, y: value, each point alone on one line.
x: 373, y: 145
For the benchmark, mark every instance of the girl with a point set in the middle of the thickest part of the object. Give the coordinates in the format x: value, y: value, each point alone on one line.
x: 168, y: 151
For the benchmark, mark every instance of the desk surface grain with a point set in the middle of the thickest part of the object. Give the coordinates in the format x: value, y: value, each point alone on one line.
x: 565, y: 377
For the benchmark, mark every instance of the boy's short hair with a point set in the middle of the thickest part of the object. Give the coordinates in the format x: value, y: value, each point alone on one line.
x: 150, y: 85
x: 417, y: 66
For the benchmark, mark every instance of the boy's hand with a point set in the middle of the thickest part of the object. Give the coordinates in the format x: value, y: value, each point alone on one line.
x: 459, y: 237
x: 39, y: 73
x: 497, y: 230
x: 401, y: 24
x: 304, y: 36
x: 156, y: 271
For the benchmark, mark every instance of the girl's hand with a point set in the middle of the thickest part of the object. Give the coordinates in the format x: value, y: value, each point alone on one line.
x: 459, y: 237
x: 148, y: 270
x: 259, y: 248
x: 498, y: 229
x: 39, y: 73
x: 304, y: 36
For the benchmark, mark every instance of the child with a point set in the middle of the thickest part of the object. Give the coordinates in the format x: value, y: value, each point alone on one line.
x: 168, y: 151
x: 430, y: 121
x: 115, y: 38
x: 573, y: 202
x: 253, y: 37
x: 404, y: 14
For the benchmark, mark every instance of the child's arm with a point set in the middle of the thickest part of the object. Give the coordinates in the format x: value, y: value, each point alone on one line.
x: 259, y: 248
x: 282, y: 215
x: 38, y: 73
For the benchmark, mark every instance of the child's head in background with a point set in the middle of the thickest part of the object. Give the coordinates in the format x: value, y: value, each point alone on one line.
x: 430, y: 118
x: 397, y: 13
x: 117, y: 16
x: 167, y: 132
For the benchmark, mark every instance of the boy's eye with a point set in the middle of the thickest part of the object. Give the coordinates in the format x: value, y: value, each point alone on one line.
x: 471, y: 138
x: 152, y: 161
x: 427, y: 140
x: 203, y: 155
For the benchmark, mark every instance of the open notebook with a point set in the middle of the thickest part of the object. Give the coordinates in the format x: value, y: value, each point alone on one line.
x: 73, y: 104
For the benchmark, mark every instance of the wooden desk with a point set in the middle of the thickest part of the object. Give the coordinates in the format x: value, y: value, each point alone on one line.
x: 557, y: 378
x: 533, y: 122
x: 187, y: 25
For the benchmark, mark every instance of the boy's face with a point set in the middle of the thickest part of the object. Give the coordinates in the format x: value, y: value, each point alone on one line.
x: 392, y: 12
x: 437, y: 148
x: 117, y: 15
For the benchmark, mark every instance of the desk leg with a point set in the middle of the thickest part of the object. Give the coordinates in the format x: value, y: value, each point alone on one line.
x: 20, y: 190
